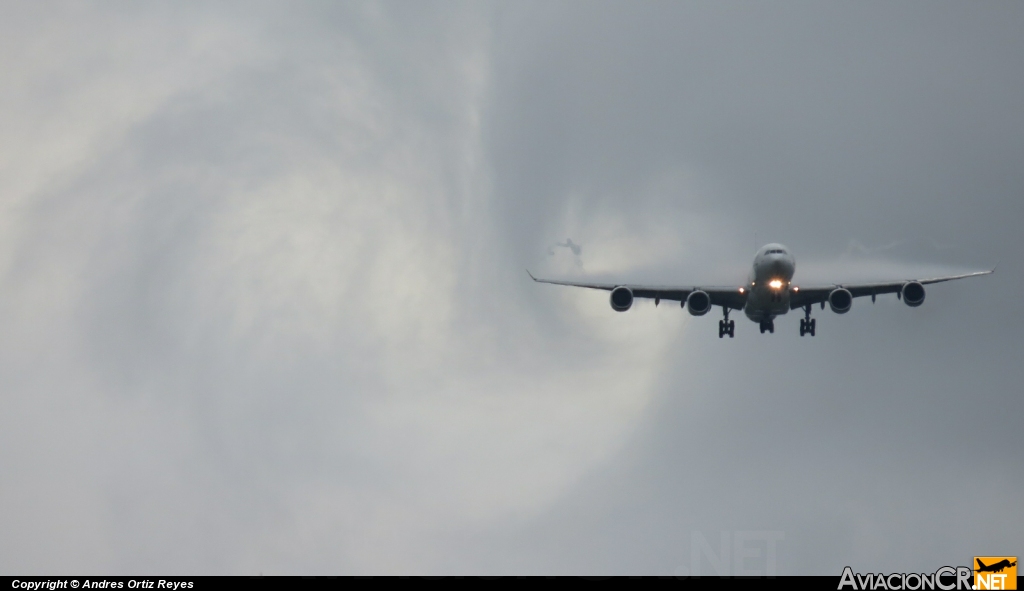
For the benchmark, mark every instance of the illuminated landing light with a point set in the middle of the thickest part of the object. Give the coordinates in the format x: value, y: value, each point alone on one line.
x: 775, y: 284
x: 742, y: 290
x: 795, y: 288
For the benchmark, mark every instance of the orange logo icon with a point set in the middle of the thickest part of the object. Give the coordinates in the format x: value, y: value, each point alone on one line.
x: 995, y: 572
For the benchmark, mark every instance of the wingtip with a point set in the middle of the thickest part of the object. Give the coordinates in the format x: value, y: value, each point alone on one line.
x: 531, y: 275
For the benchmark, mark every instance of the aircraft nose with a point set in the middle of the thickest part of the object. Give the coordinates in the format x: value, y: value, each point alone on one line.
x: 781, y: 266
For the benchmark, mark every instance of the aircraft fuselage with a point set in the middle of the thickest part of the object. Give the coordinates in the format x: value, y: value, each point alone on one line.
x: 768, y: 283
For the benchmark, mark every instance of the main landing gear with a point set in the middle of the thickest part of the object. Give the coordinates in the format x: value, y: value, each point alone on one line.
x: 726, y: 327
x: 807, y: 324
x: 768, y: 325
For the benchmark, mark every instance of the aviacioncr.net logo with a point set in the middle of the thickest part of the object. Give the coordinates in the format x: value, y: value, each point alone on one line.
x: 944, y: 579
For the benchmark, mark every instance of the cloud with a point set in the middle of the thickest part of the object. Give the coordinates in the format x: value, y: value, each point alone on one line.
x: 264, y: 305
x: 241, y: 332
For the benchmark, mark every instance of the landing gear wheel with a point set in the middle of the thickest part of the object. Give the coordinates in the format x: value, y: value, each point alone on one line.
x: 726, y: 326
x: 808, y: 324
x: 768, y: 326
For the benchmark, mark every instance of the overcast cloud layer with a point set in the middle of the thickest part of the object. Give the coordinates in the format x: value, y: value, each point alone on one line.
x: 263, y: 306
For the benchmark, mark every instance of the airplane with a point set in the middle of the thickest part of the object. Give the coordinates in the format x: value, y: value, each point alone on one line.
x: 994, y: 568
x: 768, y: 293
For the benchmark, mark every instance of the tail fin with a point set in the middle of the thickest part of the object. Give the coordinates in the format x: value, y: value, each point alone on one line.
x: 981, y: 564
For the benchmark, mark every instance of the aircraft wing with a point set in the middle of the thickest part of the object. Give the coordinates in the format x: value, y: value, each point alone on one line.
x: 803, y: 296
x: 729, y: 296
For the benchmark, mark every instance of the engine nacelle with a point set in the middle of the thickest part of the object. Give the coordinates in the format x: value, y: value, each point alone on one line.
x: 912, y: 294
x: 621, y: 298
x: 698, y: 303
x: 840, y: 300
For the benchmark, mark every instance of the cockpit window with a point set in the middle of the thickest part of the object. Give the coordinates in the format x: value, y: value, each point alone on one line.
x: 775, y: 251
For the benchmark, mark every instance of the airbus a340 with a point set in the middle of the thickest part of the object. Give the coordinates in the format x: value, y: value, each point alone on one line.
x: 769, y: 292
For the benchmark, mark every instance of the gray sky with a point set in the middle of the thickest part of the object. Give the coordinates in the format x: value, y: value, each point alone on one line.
x: 264, y: 306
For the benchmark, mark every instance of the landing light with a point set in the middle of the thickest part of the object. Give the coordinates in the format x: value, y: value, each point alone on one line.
x: 742, y: 290
x: 775, y: 284
x: 796, y: 289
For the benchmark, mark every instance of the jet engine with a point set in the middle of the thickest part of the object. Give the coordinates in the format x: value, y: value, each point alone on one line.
x: 840, y: 300
x: 698, y: 303
x: 622, y: 299
x: 912, y: 293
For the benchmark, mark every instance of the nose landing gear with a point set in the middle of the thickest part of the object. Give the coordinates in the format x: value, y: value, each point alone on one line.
x: 807, y: 324
x: 726, y: 327
x: 769, y: 326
